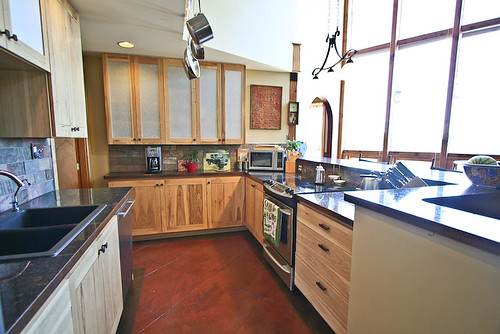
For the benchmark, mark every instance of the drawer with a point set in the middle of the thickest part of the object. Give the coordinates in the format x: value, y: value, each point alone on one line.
x: 327, y: 300
x: 314, y: 247
x: 254, y: 184
x: 326, y: 227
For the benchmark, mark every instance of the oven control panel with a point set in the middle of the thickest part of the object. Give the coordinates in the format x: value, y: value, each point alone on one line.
x: 279, y: 188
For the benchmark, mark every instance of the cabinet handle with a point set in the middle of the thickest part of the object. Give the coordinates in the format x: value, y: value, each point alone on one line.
x: 134, y: 139
x: 323, y: 247
x: 320, y: 286
x: 208, y: 182
x: 219, y: 139
x: 324, y: 227
x: 194, y: 139
x: 253, y: 185
x: 102, y: 249
x: 6, y: 32
x: 157, y: 185
x: 138, y: 139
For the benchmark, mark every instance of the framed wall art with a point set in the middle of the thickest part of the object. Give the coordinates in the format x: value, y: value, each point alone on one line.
x: 265, y: 107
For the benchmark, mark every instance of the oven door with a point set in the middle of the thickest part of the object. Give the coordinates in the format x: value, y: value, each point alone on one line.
x: 281, y: 257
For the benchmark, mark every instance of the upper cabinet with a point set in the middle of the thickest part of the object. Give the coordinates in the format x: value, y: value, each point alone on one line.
x: 175, y: 109
x: 66, y: 70
x: 23, y: 30
x: 134, y: 96
x: 234, y: 98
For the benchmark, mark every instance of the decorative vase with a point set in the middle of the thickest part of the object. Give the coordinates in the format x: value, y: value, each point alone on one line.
x: 191, y: 166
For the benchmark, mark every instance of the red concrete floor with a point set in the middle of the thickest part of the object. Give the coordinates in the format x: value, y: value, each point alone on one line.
x: 216, y: 284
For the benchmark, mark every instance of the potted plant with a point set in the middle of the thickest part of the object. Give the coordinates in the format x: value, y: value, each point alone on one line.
x: 191, y: 161
x: 293, y: 145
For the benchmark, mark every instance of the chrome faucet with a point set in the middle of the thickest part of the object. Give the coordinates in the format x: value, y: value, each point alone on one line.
x: 19, y: 182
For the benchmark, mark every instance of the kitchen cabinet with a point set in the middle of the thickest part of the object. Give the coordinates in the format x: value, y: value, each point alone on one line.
x: 323, y: 265
x: 55, y: 314
x: 25, y: 22
x: 254, y: 197
x: 226, y: 197
x: 66, y: 67
x: 148, y: 207
x: 95, y: 285
x: 150, y: 101
x: 134, y: 100
x: 233, y: 103
x: 185, y: 206
x: 181, y: 104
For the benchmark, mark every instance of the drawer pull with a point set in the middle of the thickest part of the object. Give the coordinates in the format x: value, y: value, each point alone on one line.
x: 320, y: 286
x: 102, y: 249
x: 323, y: 247
x: 324, y: 227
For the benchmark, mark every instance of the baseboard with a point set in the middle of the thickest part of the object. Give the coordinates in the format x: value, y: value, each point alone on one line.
x: 188, y: 233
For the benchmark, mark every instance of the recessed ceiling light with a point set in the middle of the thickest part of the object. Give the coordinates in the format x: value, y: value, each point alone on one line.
x: 126, y: 45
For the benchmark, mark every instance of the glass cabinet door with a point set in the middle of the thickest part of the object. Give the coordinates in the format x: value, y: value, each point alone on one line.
x: 234, y: 84
x: 118, y: 88
x: 210, y: 129
x: 149, y: 101
x: 181, y: 123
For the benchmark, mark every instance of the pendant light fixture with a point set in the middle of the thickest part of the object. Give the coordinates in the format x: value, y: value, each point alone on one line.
x: 199, y: 32
x: 332, y: 44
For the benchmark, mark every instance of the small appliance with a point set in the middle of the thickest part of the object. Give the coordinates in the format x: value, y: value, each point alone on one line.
x: 320, y: 175
x: 271, y: 160
x: 153, y: 159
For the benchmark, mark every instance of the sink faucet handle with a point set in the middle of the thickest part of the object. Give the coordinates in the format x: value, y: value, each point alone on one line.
x: 26, y: 182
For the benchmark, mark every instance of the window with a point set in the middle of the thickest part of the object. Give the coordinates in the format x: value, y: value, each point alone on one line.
x: 429, y: 80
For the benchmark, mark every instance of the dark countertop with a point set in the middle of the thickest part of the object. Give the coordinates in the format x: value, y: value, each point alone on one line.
x: 169, y: 174
x: 407, y: 205
x: 23, y: 296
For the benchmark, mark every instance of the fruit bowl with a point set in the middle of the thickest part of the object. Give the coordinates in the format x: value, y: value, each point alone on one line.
x: 483, y: 175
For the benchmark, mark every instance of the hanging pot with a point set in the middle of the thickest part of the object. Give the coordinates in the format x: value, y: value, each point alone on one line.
x: 199, y: 29
x: 196, y: 49
x: 191, y: 65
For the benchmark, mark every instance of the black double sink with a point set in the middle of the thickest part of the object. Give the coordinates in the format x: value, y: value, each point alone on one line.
x: 486, y: 204
x: 43, y: 232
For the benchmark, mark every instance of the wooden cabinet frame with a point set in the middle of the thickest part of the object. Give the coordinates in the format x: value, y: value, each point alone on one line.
x: 135, y: 107
x: 233, y: 67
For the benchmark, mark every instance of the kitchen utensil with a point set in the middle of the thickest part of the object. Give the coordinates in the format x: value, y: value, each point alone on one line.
x: 403, y: 169
x: 197, y: 50
x: 320, y: 175
x: 369, y: 182
x: 191, y: 65
x: 199, y: 29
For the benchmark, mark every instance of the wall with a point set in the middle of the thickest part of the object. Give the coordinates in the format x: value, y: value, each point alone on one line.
x: 15, y: 157
x: 96, y: 119
x: 268, y: 79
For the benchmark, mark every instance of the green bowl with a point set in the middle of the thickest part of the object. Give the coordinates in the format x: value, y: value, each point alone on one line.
x: 483, y: 175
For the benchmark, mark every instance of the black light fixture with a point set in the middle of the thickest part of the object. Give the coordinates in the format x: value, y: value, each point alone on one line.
x: 332, y: 43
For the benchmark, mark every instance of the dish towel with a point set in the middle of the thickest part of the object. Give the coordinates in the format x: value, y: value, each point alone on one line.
x: 271, y: 222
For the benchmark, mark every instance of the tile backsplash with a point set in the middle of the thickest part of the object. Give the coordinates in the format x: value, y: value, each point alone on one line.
x: 132, y: 158
x: 15, y: 157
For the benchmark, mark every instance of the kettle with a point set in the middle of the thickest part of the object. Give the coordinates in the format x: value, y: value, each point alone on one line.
x: 320, y: 175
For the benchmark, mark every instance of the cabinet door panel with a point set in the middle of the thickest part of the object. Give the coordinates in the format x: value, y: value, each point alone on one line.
x: 209, y: 109
x: 258, y: 200
x: 233, y: 105
x: 149, y: 101
x: 185, y: 204
x: 179, y: 106
x: 147, y: 211
x: 119, y: 87
x: 226, y: 201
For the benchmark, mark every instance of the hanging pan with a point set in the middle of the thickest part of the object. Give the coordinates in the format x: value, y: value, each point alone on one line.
x: 191, y: 65
x: 199, y: 29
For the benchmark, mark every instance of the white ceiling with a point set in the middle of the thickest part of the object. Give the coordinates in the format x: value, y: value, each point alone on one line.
x: 154, y: 26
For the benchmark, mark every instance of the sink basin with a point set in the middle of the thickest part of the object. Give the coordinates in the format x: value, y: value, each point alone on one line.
x: 43, y: 232
x: 482, y: 204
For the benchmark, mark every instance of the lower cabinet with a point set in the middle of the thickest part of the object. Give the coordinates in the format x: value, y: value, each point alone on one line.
x: 226, y: 197
x: 95, y: 285
x: 254, y: 197
x: 186, y: 204
x: 147, y: 210
x: 55, y: 315
x: 89, y: 299
x: 323, y: 265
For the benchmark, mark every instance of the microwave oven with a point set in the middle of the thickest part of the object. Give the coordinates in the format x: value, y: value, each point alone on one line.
x: 266, y: 160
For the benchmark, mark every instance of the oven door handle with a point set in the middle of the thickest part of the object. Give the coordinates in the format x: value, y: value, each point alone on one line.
x: 286, y: 268
x: 286, y: 212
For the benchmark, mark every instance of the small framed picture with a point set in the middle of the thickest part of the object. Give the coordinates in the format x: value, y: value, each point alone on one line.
x: 293, y: 113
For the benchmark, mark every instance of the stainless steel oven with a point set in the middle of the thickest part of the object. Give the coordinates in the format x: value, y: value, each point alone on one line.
x: 281, y: 257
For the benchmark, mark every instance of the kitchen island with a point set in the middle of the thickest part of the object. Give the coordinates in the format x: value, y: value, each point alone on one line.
x: 24, y: 295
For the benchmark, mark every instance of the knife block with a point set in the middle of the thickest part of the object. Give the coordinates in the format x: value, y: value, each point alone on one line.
x: 290, y: 167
